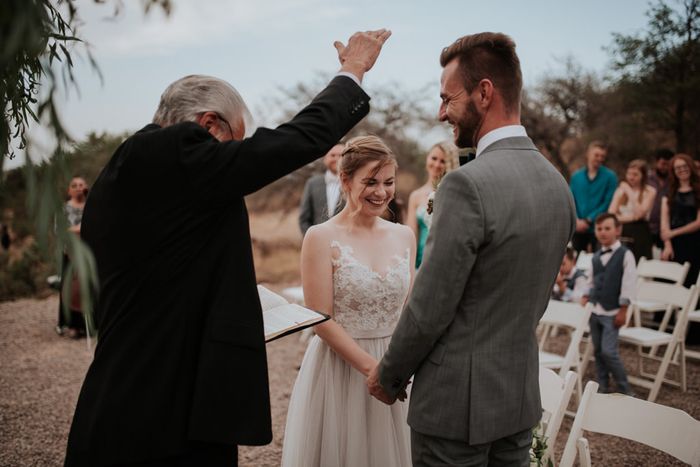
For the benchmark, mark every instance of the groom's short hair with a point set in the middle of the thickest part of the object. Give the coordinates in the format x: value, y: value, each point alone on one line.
x: 489, y: 55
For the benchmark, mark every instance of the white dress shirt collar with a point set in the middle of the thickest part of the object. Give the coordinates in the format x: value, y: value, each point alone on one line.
x: 332, y: 191
x: 498, y: 134
x: 330, y: 177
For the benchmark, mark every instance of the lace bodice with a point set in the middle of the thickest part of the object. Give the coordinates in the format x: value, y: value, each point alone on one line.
x: 366, y: 303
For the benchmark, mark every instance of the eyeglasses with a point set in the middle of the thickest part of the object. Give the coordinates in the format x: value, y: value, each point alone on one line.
x: 681, y: 167
x: 227, y: 124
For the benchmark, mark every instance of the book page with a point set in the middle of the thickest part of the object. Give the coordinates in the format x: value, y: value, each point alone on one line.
x: 269, y: 299
x: 287, y: 317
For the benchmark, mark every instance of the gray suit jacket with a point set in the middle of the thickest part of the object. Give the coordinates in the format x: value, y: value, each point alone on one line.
x: 500, y: 227
x: 314, y: 205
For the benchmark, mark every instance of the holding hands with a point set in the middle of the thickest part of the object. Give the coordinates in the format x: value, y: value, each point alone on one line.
x: 361, y: 52
x: 377, y: 391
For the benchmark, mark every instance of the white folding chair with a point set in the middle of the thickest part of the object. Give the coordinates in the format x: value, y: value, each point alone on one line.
x: 685, y: 300
x: 664, y: 428
x: 650, y: 270
x: 568, y: 315
x: 555, y: 393
x: 694, y: 316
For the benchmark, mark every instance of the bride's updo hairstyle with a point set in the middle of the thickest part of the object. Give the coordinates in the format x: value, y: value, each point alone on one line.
x: 360, y: 151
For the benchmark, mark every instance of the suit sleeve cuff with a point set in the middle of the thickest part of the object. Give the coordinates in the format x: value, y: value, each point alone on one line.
x: 351, y: 76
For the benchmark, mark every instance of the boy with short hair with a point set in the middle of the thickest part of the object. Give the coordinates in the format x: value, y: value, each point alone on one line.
x: 572, y: 282
x: 611, y: 289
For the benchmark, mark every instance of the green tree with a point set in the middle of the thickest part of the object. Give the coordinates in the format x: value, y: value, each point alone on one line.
x: 658, y: 71
x: 560, y: 111
x: 398, y: 116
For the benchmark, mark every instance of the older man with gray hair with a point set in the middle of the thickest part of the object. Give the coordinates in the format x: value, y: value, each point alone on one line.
x: 179, y: 376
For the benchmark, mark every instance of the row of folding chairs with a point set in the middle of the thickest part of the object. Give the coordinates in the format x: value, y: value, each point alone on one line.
x: 613, y: 414
x: 668, y: 271
x: 575, y: 318
x: 653, y: 270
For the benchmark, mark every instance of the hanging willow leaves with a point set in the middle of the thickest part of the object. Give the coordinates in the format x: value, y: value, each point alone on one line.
x: 38, y: 41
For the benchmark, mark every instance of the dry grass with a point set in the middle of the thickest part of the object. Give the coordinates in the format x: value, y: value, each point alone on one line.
x: 276, y: 246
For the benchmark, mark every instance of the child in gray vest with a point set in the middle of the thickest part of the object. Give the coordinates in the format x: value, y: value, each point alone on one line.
x: 612, y: 287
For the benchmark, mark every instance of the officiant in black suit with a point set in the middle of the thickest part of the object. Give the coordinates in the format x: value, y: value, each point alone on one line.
x: 179, y: 375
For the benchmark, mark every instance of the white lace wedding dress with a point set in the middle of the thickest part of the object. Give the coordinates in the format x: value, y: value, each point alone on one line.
x: 332, y: 420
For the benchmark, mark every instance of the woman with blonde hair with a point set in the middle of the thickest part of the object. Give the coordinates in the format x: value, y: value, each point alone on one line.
x: 356, y: 267
x: 442, y: 158
x: 632, y: 204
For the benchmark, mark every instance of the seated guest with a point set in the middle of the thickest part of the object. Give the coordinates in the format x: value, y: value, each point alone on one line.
x: 571, y: 282
x: 632, y: 204
x: 611, y: 288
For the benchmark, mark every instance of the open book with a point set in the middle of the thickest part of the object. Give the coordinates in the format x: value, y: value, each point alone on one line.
x: 282, y: 318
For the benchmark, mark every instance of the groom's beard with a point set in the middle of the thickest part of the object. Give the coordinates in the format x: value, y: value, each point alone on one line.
x: 468, y: 127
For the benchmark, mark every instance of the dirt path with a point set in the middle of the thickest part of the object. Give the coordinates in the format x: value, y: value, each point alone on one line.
x: 41, y: 374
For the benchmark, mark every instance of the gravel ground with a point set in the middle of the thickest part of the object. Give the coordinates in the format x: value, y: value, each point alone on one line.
x: 41, y: 374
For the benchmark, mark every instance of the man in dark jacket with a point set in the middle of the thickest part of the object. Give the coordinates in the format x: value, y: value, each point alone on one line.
x: 180, y: 373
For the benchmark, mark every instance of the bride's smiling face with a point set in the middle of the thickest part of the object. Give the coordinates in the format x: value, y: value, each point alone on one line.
x: 370, y: 190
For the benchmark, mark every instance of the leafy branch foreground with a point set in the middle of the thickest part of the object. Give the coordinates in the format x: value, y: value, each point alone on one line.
x: 37, y: 41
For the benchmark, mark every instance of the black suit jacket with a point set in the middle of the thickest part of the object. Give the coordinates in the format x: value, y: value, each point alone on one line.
x: 181, y: 352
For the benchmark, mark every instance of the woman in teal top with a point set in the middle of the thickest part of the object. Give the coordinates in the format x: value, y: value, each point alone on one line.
x: 441, y: 158
x: 423, y: 219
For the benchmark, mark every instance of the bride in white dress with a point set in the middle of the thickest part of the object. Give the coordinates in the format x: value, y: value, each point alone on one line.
x: 358, y: 268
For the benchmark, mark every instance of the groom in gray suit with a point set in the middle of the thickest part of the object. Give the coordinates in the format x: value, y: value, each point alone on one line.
x: 500, y: 227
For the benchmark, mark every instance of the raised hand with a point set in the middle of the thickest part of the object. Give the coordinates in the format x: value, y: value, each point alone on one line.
x: 362, y: 51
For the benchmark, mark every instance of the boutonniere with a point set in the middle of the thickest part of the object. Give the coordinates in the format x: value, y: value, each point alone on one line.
x: 431, y: 196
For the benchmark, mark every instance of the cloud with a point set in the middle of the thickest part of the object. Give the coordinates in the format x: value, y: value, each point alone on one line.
x: 196, y: 24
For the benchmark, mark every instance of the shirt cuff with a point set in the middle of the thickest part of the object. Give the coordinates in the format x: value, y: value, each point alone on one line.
x: 624, y: 301
x: 351, y: 76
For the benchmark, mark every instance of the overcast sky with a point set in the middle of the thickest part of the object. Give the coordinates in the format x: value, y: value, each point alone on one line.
x: 260, y: 45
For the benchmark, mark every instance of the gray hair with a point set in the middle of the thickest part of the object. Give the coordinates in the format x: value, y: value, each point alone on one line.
x: 187, y: 98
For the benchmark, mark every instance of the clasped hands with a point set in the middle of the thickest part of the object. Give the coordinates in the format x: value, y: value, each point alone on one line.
x: 377, y: 391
